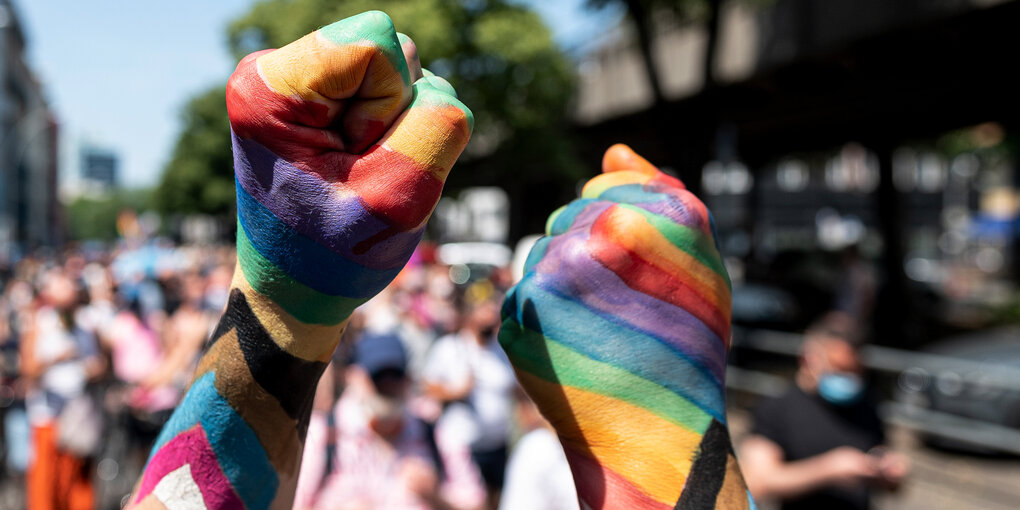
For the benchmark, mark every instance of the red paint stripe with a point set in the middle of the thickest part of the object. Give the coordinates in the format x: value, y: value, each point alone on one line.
x: 390, y: 184
x: 191, y: 447
x: 600, y: 487
x: 292, y: 128
x: 395, y: 185
x: 644, y: 277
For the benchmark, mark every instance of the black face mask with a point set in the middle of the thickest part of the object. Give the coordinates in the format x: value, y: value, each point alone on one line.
x: 489, y: 333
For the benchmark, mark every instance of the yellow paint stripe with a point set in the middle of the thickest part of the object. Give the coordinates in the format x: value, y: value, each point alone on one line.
x: 311, y: 342
x: 308, y: 68
x: 622, y: 437
x: 424, y: 131
x: 594, y: 187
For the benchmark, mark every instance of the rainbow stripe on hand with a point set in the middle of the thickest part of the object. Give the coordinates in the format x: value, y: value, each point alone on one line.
x: 619, y: 331
x: 342, y: 144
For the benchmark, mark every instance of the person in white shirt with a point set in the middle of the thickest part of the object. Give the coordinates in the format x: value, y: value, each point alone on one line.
x: 469, y: 373
x: 537, y: 475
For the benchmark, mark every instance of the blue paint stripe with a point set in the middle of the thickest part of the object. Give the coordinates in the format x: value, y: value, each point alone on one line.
x: 237, y: 448
x: 635, y: 194
x: 305, y: 260
x: 592, y: 335
x: 566, y: 217
x: 537, y: 253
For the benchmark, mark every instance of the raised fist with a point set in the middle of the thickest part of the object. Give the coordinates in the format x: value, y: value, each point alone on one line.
x: 619, y: 332
x: 341, y: 149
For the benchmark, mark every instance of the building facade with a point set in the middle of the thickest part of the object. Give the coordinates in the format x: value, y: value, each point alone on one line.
x: 29, y: 206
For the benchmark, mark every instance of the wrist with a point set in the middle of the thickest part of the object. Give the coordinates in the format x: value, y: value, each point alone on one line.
x: 266, y: 303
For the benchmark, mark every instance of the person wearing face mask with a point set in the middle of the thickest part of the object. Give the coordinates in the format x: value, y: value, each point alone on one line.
x: 470, y: 375
x: 381, y: 458
x: 820, y: 444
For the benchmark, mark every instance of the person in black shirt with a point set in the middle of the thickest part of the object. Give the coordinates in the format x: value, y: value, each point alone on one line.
x: 819, y: 445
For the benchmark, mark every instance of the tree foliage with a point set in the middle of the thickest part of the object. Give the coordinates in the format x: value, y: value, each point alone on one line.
x: 499, y: 56
x: 199, y: 177
x: 95, y: 218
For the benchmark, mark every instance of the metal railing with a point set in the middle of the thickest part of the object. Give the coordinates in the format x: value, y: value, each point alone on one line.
x: 903, y: 363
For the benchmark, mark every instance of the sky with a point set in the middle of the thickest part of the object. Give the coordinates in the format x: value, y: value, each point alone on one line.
x: 118, y: 72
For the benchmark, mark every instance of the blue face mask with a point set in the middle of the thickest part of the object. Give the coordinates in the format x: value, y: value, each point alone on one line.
x: 840, y: 389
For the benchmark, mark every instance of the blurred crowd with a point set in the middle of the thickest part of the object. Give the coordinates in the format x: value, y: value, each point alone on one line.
x: 98, y: 345
x: 418, y: 408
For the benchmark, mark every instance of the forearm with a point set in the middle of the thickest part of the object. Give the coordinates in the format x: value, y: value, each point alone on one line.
x: 241, y: 425
x: 790, y: 479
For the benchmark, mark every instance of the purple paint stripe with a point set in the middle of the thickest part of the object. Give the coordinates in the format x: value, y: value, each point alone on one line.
x: 569, y: 269
x: 191, y: 447
x: 311, y: 206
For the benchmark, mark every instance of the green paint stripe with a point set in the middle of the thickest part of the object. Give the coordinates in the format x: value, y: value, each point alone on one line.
x: 374, y: 27
x: 305, y: 304
x: 552, y: 219
x: 692, y: 241
x: 552, y: 361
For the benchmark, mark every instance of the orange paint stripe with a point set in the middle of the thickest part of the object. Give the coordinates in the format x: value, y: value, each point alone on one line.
x: 630, y: 230
x: 621, y: 437
x: 298, y: 69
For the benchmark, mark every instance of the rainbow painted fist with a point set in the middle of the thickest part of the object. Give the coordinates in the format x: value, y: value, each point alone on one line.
x: 619, y: 332
x: 342, y: 144
x: 339, y: 160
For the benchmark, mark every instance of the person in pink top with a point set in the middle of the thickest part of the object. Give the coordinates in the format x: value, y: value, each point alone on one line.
x: 381, y: 458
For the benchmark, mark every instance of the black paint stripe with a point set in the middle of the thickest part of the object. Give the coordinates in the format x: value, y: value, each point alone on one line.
x: 708, y: 471
x: 289, y: 379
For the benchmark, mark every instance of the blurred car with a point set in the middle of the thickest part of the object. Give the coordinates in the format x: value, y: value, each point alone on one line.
x: 984, y: 385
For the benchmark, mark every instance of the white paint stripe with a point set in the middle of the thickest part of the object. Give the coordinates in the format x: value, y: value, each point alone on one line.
x: 178, y: 491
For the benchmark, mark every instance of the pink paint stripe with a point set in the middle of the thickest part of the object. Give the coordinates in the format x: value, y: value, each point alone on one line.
x: 191, y: 447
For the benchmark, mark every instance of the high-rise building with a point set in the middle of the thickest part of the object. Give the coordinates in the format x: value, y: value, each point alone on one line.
x: 99, y: 167
x: 29, y: 207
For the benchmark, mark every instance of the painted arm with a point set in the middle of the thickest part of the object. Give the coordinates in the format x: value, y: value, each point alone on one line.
x: 341, y: 149
x: 619, y: 332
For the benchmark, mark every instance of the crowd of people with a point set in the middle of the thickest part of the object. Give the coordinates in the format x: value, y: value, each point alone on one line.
x: 98, y: 345
x: 417, y: 409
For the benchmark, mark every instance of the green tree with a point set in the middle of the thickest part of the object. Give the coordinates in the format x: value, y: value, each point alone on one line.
x: 643, y: 13
x: 499, y: 56
x: 199, y: 176
x: 95, y: 218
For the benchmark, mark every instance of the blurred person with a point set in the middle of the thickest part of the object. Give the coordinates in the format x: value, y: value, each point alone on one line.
x: 381, y: 458
x: 234, y: 433
x: 185, y: 331
x: 138, y: 354
x: 217, y: 288
x: 320, y: 441
x: 58, y: 358
x: 820, y: 445
x: 537, y: 474
x: 15, y: 311
x: 469, y: 374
